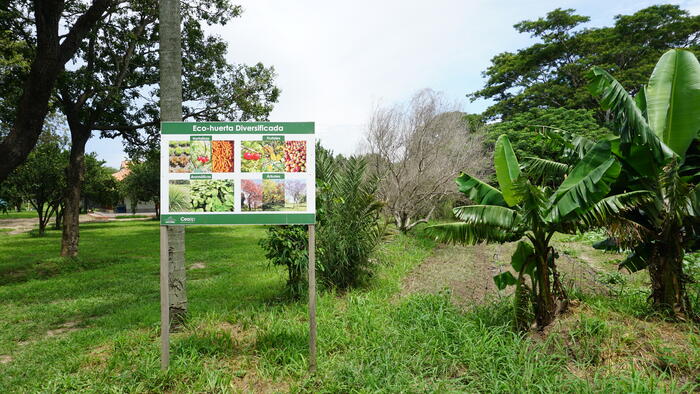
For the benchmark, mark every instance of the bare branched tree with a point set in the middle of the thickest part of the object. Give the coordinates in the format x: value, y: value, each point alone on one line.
x: 417, y: 150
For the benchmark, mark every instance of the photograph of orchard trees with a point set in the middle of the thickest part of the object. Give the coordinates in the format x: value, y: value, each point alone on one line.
x: 251, y: 195
x: 273, y: 194
x: 294, y: 195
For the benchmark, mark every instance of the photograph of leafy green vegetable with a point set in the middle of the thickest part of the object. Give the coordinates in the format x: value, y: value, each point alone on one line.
x: 201, y: 196
x: 179, y: 156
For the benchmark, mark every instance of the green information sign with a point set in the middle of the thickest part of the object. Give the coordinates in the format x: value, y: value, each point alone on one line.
x: 238, y: 173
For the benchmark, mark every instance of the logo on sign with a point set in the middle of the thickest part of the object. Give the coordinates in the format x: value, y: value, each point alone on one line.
x: 170, y: 220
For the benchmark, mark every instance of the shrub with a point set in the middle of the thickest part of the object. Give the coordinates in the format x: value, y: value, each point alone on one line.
x: 347, y: 223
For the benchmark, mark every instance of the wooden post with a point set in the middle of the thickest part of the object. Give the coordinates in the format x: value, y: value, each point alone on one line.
x: 312, y: 298
x: 164, y: 300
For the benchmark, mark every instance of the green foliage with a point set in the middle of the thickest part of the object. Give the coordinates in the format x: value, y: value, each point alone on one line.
x: 538, y: 212
x: 523, y: 130
x: 348, y: 231
x: 143, y: 181
x: 552, y: 72
x: 507, y: 169
x: 656, y: 131
x: 212, y: 196
x: 41, y: 179
x: 99, y: 186
x: 288, y: 246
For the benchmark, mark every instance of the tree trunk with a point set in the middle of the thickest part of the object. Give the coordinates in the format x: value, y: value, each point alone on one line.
x: 42, y: 218
x: 667, y: 280
x: 59, y: 217
x: 74, y: 179
x: 53, y: 50
x: 544, y: 307
x: 171, y: 110
x: 177, y: 283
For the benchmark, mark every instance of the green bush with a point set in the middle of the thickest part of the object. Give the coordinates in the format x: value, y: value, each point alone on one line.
x: 347, y: 223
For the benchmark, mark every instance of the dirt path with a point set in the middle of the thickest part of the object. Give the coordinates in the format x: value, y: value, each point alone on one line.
x: 467, y: 271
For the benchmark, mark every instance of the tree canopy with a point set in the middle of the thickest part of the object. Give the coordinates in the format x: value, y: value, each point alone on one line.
x: 523, y: 130
x: 552, y: 72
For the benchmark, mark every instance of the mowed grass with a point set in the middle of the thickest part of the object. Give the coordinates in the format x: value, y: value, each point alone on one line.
x: 19, y: 215
x: 91, y: 325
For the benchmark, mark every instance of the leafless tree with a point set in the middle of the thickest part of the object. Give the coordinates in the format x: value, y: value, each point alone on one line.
x: 417, y: 150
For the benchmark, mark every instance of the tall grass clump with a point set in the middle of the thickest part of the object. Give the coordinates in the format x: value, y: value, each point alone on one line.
x: 347, y: 222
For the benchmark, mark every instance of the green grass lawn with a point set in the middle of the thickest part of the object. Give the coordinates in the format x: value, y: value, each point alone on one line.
x: 91, y: 325
x: 19, y: 215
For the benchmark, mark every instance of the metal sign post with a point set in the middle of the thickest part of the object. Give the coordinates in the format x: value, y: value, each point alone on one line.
x: 232, y: 173
x: 312, y: 298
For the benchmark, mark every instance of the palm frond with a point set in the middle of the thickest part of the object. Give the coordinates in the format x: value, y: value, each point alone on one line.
x: 533, y: 202
x: 490, y: 215
x: 638, y: 259
x: 587, y: 183
x: 628, y: 233
x: 479, y: 191
x: 544, y: 170
x: 471, y: 234
x: 574, y: 144
x: 610, y: 209
x: 630, y: 123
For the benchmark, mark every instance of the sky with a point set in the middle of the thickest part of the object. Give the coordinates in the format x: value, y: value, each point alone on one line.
x: 336, y: 61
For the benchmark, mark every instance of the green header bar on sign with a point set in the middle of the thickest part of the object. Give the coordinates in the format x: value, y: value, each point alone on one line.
x: 273, y: 176
x: 237, y: 127
x: 273, y: 138
x: 200, y: 138
x: 253, y: 218
x: 200, y: 176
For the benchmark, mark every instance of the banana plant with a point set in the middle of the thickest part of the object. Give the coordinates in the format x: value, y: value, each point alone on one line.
x: 657, y: 145
x: 523, y: 210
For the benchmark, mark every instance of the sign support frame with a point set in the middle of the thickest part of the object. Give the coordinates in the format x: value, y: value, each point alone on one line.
x: 173, y: 219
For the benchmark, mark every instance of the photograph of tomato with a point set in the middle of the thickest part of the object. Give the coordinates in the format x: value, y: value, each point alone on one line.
x: 262, y: 156
x: 295, y: 156
x: 200, y: 156
x: 222, y: 156
x: 189, y: 156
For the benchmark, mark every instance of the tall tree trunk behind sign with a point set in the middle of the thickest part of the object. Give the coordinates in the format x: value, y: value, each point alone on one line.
x: 171, y: 110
